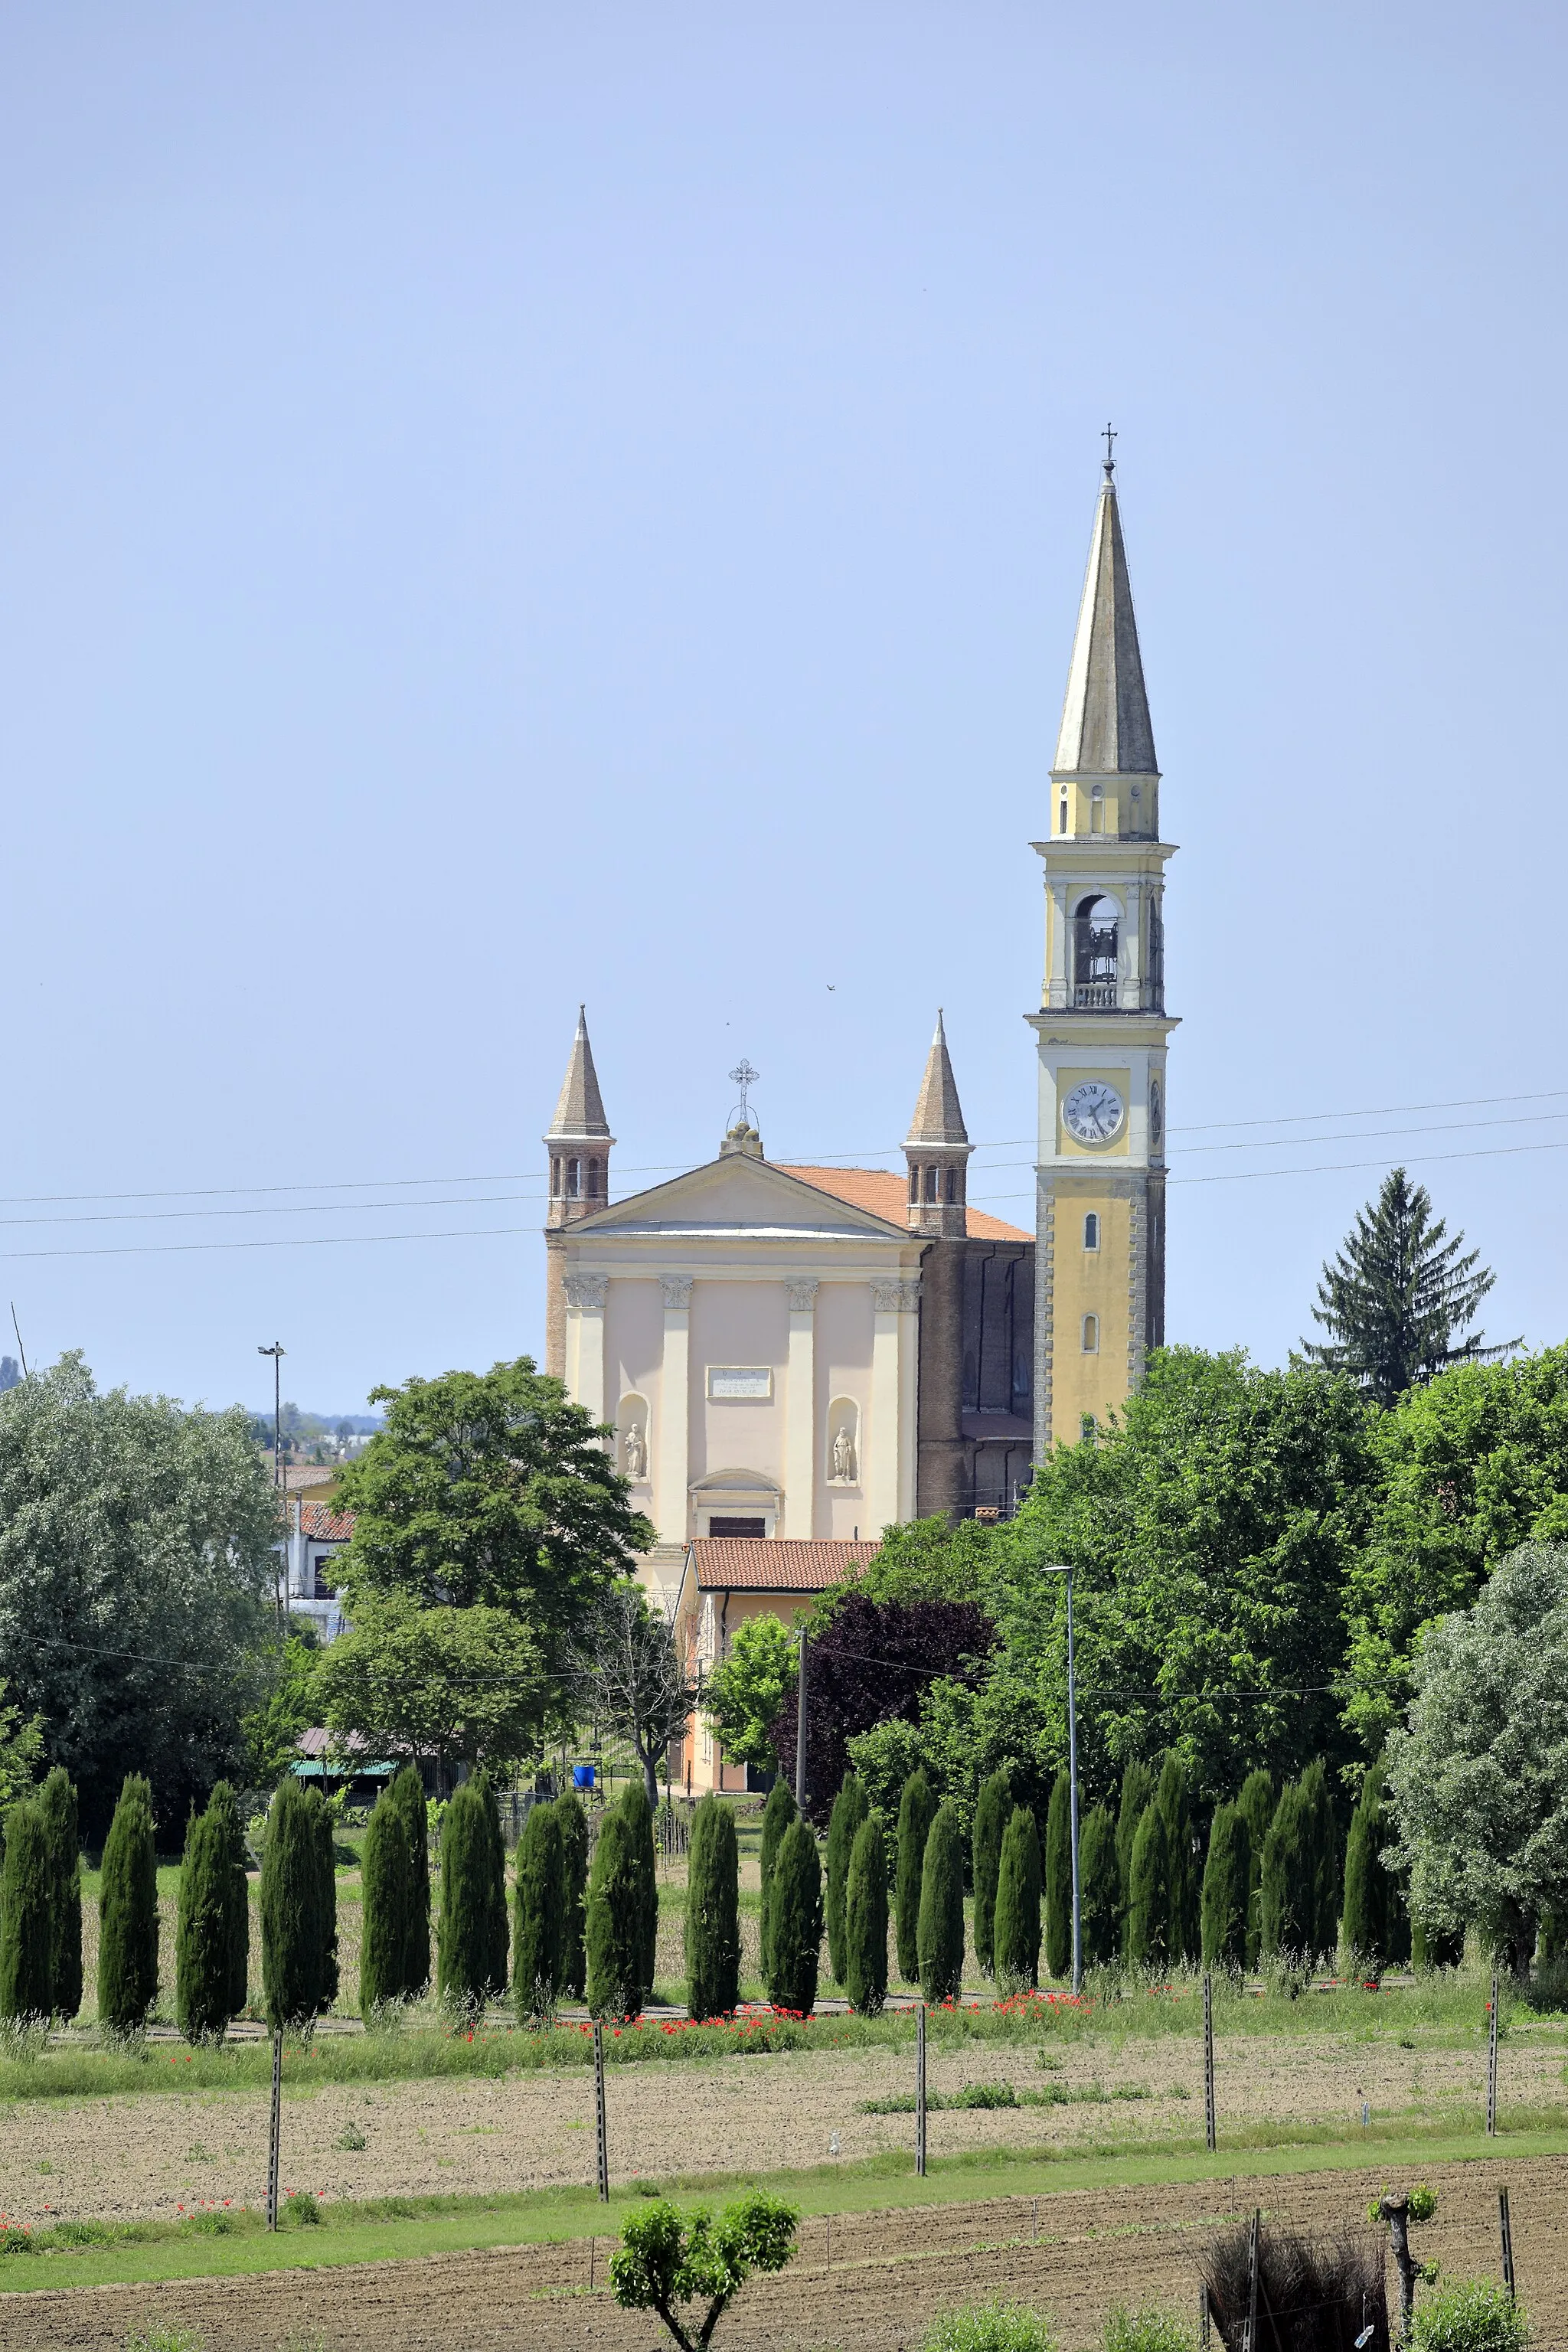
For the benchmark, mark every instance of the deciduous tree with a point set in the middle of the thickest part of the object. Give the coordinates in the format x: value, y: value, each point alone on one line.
x: 746, y: 1689
x: 625, y: 1672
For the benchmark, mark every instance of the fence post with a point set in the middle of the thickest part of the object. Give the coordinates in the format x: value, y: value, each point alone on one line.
x: 1208, y: 2061
x: 1250, y: 2341
x: 1491, y: 2067
x: 275, y: 2131
x: 920, y: 2091
x: 599, y: 2111
x: 1507, y: 2227
x: 1205, y: 2337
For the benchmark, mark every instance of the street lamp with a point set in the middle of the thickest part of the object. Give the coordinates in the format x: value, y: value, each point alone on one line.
x: 1057, y: 1570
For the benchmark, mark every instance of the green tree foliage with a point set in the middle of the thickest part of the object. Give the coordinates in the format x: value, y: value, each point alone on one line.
x: 1370, y: 1896
x: 1324, y: 1835
x: 666, y: 2259
x: 777, y: 1815
x: 289, y: 1708
x: 1015, y: 1935
x: 991, y: 1814
x: 1059, y: 1879
x: 746, y: 1690
x: 539, y: 1915
x: 917, y: 1811
x: 614, y: 1924
x: 1476, y: 2314
x: 1226, y: 1880
x: 713, y: 1912
x: 1476, y: 1782
x: 386, y: 1877
x: 849, y: 1810
x: 406, y: 1791
x: 637, y: 1816
x: 941, y: 1925
x: 25, y: 1916
x: 128, y: 1912
x: 472, y: 1950
x: 865, y: 1978
x: 299, y: 1908
x: 1149, y: 1892
x: 145, y: 1533
x: 795, y: 1934
x: 1288, y: 1894
x: 574, y: 1892
x: 1255, y: 1806
x: 57, y: 1803
x: 447, y: 1685
x: 213, y: 1922
x: 1100, y: 1889
x: 1138, y: 1785
x: 1171, y: 1795
x: 1398, y: 1295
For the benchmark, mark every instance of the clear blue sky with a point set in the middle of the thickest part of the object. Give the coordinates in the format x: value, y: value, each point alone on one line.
x: 501, y: 504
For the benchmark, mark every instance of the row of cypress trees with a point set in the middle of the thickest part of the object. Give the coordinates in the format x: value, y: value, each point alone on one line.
x: 40, y: 1906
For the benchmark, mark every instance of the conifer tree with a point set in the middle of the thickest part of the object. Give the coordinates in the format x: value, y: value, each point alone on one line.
x: 56, y: 1803
x: 713, y: 1912
x: 866, y: 1920
x: 127, y: 1914
x: 1015, y: 1933
x: 850, y: 1808
x: 205, y: 1931
x: 224, y: 1807
x: 1099, y: 1890
x: 917, y: 1811
x: 1255, y: 1805
x: 1149, y: 1892
x: 25, y: 1916
x: 941, y: 1929
x: 1059, y: 1879
x: 499, y: 1951
x: 777, y: 1814
x: 637, y: 1815
x: 574, y: 1892
x: 1288, y: 1889
x: 406, y: 1791
x: 324, y: 1830
x: 1395, y: 1299
x: 1137, y: 1787
x: 990, y: 1811
x: 299, y: 1908
x: 1324, y: 1838
x: 539, y: 1915
x: 1172, y: 1791
x: 386, y: 1877
x: 1369, y: 1888
x: 1226, y: 1874
x: 473, y: 1887
x: 796, y: 1932
x: 614, y: 1937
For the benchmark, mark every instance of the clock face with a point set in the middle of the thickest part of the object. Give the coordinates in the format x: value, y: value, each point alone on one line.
x: 1092, y: 1111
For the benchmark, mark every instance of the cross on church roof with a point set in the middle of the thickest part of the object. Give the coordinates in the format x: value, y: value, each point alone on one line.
x: 743, y: 1075
x: 1109, y: 436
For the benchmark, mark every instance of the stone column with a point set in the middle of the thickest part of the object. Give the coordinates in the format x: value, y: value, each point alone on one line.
x: 889, y: 1452
x: 1055, y: 990
x: 800, y: 1412
x: 672, y: 1478
x: 585, y: 1341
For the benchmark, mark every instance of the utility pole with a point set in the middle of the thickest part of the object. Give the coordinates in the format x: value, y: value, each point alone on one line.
x: 277, y: 1353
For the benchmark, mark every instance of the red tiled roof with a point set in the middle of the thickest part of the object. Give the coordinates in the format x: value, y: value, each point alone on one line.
x: 776, y: 1563
x: 320, y: 1521
x: 885, y: 1194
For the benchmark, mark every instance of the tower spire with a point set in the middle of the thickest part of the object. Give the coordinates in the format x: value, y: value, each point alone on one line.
x: 937, y: 1148
x: 580, y: 1113
x: 578, y: 1138
x: 1105, y: 729
x: 938, y: 1116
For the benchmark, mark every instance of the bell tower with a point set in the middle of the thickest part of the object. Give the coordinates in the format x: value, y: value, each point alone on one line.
x: 1099, y: 1258
x: 579, y: 1142
x: 937, y: 1149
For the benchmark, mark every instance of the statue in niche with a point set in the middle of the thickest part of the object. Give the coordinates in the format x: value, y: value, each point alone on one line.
x: 636, y: 1452
x: 844, y: 1453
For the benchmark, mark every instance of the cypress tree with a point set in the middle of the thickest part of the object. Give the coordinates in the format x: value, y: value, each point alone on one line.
x: 205, y: 1972
x: 1226, y: 1873
x: 777, y: 1814
x: 1255, y: 1805
x: 866, y: 1920
x: 1137, y: 1789
x: 386, y: 1875
x: 1099, y: 1890
x: 917, y: 1811
x: 797, y: 1931
x: 614, y: 1937
x: 298, y: 1909
x: 127, y: 1914
x: 406, y: 1791
x: 497, y: 1942
x: 713, y: 1911
x: 637, y: 1815
x: 990, y: 1813
x: 25, y: 1916
x: 1183, y: 1944
x: 57, y: 1805
x: 1288, y: 1888
x: 540, y: 1914
x: 1149, y: 1892
x: 940, y: 1931
x: 1059, y: 1879
x: 472, y: 1891
x: 574, y: 1892
x: 1015, y: 1935
x: 850, y: 1808
x: 324, y: 1851
x: 224, y: 1807
x: 1324, y: 1839
x: 1369, y: 1890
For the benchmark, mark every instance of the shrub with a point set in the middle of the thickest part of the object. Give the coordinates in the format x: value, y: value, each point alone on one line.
x: 574, y: 1892
x: 991, y: 2327
x: 473, y: 1891
x: 796, y: 1911
x: 637, y: 1815
x: 1255, y: 1805
x: 1287, y: 1887
x: 666, y: 2258
x: 205, y: 1934
x: 615, y: 1930
x: 1017, y: 1935
x: 713, y: 1912
x: 25, y: 1916
x: 1059, y: 1879
x: 539, y: 1914
x: 940, y: 1928
x: 299, y: 1908
x: 866, y: 1920
x: 1315, y: 2291
x: 917, y: 1811
x: 408, y: 1794
x: 1149, y: 2328
x: 777, y: 1814
x: 57, y: 1804
x: 127, y: 1914
x: 1149, y: 1892
x: 850, y: 1808
x: 386, y: 1877
x: 1226, y: 1876
x: 1099, y: 1890
x: 1469, y: 2315
x: 994, y: 1805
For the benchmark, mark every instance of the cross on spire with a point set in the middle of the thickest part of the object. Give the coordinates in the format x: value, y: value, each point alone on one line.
x: 743, y: 1075
x: 1109, y: 459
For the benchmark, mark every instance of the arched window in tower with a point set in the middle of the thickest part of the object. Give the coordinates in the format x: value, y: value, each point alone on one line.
x: 1062, y: 815
x: 1091, y: 1335
x: 1092, y: 1231
x: 1156, y: 955
x: 556, y: 1175
x: 1097, y: 808
x: 591, y: 1183
x: 1094, y: 930
x: 914, y: 1186
x: 574, y: 1179
x: 931, y: 1191
x: 952, y: 1185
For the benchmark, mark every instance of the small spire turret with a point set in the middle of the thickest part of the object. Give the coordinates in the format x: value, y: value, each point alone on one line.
x: 578, y: 1139
x: 937, y: 1149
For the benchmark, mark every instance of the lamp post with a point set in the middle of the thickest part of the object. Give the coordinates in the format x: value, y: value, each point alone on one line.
x: 1058, y: 1570
x: 276, y: 1352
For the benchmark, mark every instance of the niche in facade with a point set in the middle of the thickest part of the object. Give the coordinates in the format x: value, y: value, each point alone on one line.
x: 631, y: 1438
x: 844, y: 1442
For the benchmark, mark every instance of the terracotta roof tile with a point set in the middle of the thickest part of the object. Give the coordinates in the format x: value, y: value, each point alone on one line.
x: 776, y: 1563
x: 885, y: 1194
x: 327, y: 1525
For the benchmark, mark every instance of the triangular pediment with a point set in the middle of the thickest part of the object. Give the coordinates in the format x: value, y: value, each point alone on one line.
x: 736, y: 1195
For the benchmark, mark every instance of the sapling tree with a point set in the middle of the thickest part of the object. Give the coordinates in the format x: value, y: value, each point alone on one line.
x: 666, y: 2259
x: 1416, y: 2204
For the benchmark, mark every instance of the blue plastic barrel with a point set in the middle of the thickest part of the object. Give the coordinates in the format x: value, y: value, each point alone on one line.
x: 582, y: 1776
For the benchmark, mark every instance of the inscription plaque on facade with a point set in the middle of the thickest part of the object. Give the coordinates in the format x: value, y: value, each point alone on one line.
x: 746, y: 1382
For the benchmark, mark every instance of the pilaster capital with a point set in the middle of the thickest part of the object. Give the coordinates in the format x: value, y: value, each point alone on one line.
x: 677, y: 1289
x: 801, y: 1296
x: 895, y: 1298
x: 587, y: 1291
